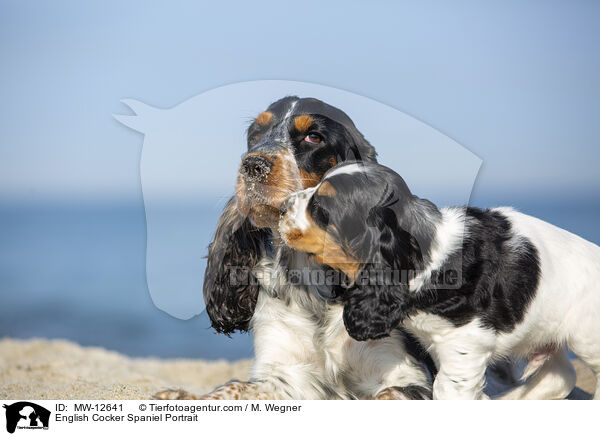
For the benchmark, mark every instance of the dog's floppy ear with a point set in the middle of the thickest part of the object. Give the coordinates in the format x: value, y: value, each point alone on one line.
x: 371, y: 311
x: 359, y: 146
x: 376, y: 303
x: 230, y: 290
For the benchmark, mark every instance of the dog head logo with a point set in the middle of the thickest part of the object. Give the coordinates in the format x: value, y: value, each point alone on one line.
x: 191, y: 155
x: 26, y: 415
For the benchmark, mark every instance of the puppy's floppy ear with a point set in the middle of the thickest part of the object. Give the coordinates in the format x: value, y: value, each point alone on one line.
x: 376, y: 303
x: 230, y: 292
x: 371, y: 311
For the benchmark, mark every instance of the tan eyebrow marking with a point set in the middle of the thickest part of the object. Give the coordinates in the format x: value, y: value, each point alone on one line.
x: 264, y: 118
x: 326, y: 190
x: 303, y: 122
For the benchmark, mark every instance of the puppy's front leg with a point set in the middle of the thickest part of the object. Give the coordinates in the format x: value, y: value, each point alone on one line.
x: 463, y: 356
x: 456, y: 383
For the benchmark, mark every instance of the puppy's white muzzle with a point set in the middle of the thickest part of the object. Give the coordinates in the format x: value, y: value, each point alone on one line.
x: 293, y: 213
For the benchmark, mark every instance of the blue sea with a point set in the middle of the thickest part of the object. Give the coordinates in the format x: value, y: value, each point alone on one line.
x: 77, y: 272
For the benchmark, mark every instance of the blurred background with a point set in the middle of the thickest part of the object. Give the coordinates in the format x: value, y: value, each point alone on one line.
x: 515, y: 84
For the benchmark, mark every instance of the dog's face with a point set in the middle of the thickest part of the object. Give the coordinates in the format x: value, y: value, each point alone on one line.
x: 363, y: 220
x: 353, y: 221
x: 290, y: 147
x: 331, y: 220
x: 322, y: 221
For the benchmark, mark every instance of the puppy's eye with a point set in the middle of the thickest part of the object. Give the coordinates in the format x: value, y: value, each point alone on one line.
x: 313, y: 138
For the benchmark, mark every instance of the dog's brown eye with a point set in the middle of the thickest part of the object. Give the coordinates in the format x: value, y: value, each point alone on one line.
x: 313, y: 138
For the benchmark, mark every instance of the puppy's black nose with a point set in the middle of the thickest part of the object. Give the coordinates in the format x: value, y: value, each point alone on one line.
x: 282, y: 209
x: 256, y: 167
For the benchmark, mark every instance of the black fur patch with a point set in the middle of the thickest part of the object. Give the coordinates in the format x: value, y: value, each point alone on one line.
x: 499, y: 280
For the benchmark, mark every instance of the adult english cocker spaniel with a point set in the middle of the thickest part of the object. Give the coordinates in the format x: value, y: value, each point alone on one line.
x: 254, y: 282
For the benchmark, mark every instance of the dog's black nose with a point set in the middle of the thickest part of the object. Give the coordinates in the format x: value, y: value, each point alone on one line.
x: 256, y: 167
x: 282, y: 209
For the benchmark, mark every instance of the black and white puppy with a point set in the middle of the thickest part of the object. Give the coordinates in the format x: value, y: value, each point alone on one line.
x: 473, y: 285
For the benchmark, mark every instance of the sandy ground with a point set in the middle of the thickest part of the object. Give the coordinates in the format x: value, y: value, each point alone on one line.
x: 57, y: 369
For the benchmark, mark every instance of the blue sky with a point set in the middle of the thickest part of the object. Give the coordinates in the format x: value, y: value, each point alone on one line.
x: 517, y: 83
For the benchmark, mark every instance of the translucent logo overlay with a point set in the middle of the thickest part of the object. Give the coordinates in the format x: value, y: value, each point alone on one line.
x: 191, y: 156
